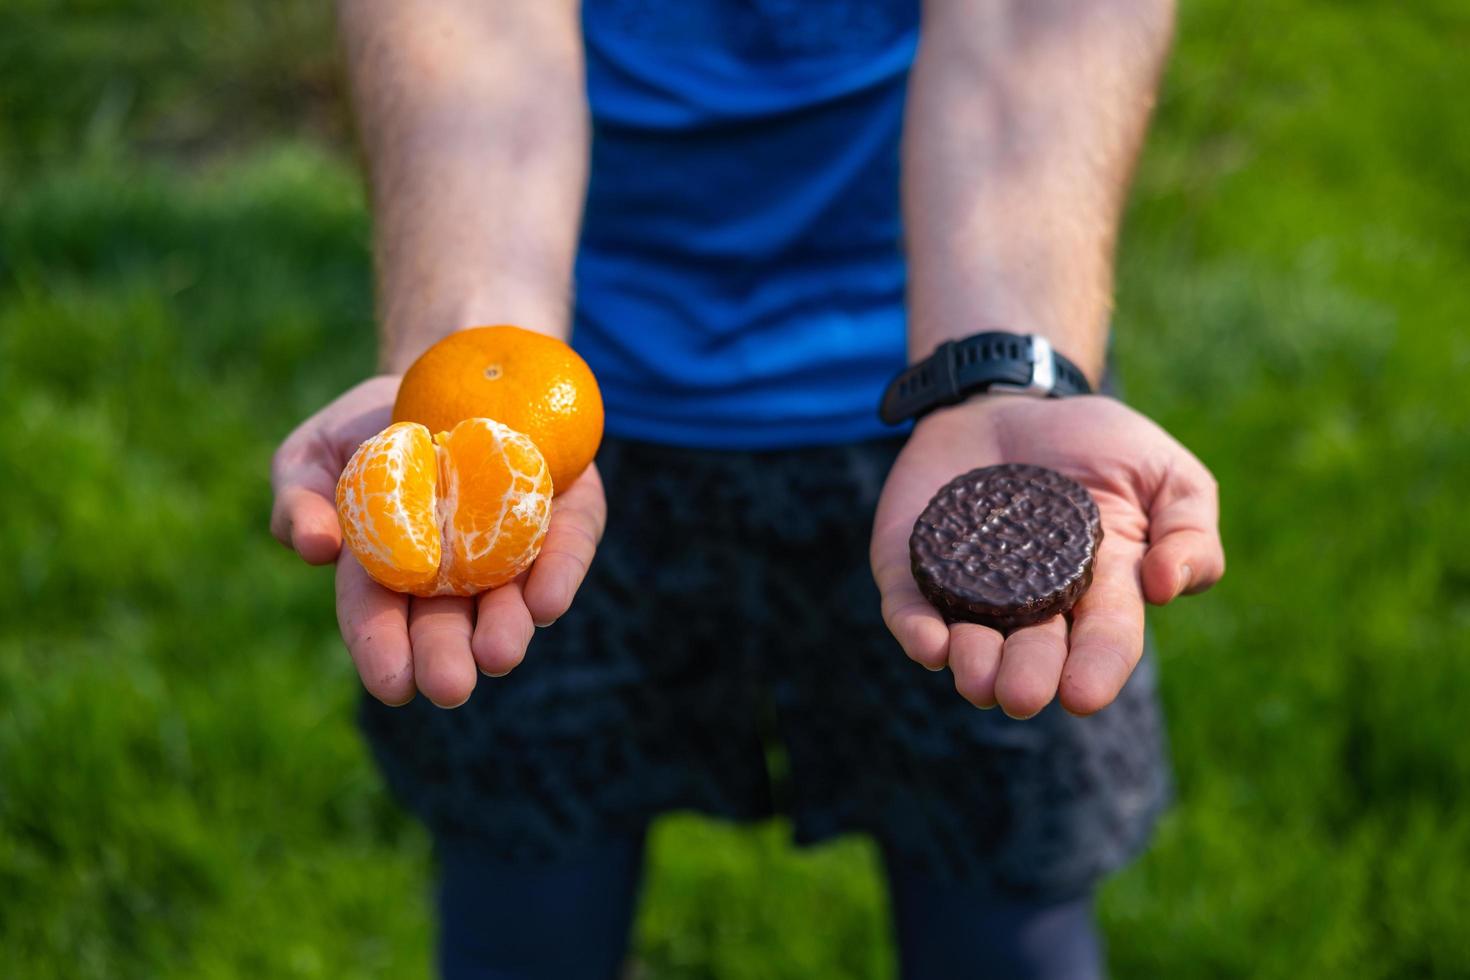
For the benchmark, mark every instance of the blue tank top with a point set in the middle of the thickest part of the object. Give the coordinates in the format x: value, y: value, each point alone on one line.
x: 739, y: 280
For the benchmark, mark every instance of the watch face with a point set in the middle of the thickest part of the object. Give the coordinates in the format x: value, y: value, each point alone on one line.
x: 1039, y: 366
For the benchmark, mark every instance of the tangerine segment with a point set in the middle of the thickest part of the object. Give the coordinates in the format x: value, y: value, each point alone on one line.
x: 385, y: 502
x: 457, y: 514
x: 494, y: 507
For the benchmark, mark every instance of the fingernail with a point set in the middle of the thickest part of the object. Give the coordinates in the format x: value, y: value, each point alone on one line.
x: 1186, y: 575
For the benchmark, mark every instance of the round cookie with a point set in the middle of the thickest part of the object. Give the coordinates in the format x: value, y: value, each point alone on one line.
x: 1006, y: 546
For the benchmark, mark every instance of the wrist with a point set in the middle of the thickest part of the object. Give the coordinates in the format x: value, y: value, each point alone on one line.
x: 407, y: 333
x: 979, y: 405
x: 1087, y: 354
x: 992, y: 361
x: 1075, y: 328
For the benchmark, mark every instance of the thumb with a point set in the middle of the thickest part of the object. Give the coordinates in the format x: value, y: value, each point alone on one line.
x: 304, y: 514
x: 1184, y: 555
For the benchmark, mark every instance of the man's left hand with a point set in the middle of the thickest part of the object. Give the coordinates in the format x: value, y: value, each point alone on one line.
x: 1161, y: 539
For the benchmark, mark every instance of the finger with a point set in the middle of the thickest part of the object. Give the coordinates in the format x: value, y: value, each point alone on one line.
x: 578, y: 518
x: 974, y: 659
x: 374, y: 624
x: 1031, y: 667
x: 914, y: 623
x: 306, y: 521
x: 1185, y: 554
x: 443, y: 667
x: 1107, y: 631
x: 503, y: 630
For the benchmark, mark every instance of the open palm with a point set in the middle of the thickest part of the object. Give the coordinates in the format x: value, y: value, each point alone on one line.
x: 1160, y: 539
x: 402, y: 644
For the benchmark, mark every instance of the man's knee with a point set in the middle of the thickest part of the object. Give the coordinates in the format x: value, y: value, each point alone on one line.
x: 511, y: 921
x: 947, y: 930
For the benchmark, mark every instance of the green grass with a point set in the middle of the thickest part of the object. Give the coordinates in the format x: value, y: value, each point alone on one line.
x: 182, y: 791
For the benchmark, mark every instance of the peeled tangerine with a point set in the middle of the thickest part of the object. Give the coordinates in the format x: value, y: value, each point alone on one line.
x: 455, y: 514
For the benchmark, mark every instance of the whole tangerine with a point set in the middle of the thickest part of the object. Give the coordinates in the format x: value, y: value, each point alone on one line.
x: 534, y: 383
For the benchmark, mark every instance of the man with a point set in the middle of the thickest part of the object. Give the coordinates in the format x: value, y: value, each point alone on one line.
x: 743, y: 296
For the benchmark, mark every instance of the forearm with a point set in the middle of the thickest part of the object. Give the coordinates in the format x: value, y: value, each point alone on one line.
x: 1024, y: 118
x: 473, y: 119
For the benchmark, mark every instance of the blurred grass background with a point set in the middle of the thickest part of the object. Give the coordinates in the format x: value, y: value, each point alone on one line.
x: 184, y: 274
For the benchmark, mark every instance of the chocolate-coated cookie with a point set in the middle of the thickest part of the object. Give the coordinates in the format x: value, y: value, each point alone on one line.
x: 1006, y: 546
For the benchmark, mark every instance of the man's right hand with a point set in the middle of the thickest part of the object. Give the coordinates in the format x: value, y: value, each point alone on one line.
x: 403, y: 644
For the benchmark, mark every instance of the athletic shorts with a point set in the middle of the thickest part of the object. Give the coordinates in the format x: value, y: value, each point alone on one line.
x: 727, y: 655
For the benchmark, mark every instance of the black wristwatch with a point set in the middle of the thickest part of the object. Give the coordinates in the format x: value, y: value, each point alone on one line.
x: 995, y: 361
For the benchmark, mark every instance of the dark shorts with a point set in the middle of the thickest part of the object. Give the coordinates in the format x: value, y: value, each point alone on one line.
x: 727, y: 655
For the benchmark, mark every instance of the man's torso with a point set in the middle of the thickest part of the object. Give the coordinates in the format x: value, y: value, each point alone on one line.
x: 740, y: 280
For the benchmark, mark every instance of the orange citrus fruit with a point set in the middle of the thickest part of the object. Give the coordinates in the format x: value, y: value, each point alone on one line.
x: 531, y: 382
x: 455, y: 514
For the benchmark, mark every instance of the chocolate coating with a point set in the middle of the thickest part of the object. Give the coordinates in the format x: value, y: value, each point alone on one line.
x: 1006, y: 546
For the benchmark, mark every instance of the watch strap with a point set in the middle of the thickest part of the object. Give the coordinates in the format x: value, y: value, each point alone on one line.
x: 991, y: 361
